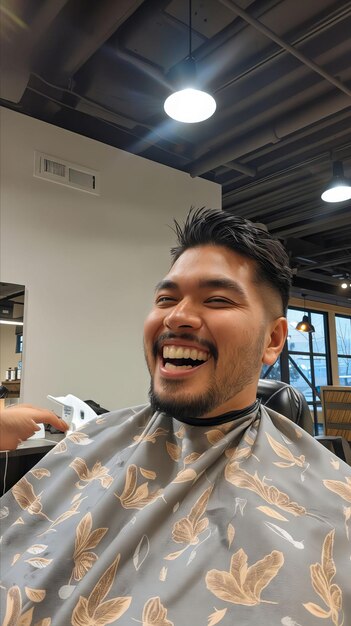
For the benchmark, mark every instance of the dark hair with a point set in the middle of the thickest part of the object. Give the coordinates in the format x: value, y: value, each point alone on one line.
x: 208, y: 226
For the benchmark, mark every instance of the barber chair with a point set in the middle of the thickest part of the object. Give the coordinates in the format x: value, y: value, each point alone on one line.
x: 290, y: 402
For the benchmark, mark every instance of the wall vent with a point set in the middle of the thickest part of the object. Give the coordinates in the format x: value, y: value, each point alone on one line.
x: 58, y: 171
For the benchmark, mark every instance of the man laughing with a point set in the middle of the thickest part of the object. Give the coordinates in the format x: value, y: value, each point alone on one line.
x: 202, y: 506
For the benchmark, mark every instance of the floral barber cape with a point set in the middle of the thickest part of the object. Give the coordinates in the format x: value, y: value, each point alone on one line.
x: 138, y: 518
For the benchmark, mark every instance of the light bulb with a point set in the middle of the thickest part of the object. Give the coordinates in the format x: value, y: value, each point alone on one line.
x: 337, y: 194
x: 343, y: 285
x: 190, y: 106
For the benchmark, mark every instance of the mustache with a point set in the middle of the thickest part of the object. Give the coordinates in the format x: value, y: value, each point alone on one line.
x: 187, y: 337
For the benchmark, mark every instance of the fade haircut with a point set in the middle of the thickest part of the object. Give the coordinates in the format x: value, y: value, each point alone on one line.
x: 208, y: 226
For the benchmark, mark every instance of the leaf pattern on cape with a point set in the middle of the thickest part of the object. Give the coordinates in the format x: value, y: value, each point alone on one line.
x: 37, y: 548
x: 191, y: 458
x: 284, y: 453
x: 134, y: 497
x: 322, y: 575
x: 187, y: 529
x: 35, y: 595
x: 60, y: 448
x: 173, y: 450
x: 25, y: 497
x: 26, y: 618
x: 238, y: 453
x: 151, y: 437
x: 95, y: 610
x: 86, y: 540
x: 155, y: 614
x: 240, y: 478
x: 40, y: 472
x: 342, y: 489
x: 230, y: 534
x: 185, y: 475
x: 15, y: 558
x: 163, y: 574
x: 141, y: 552
x: 216, y: 617
x: 62, y: 518
x: 79, y: 438
x: 98, y: 472
x: 214, y: 436
x: 147, y: 473
x: 243, y: 584
x: 39, y: 562
x: 180, y: 433
x: 13, y: 606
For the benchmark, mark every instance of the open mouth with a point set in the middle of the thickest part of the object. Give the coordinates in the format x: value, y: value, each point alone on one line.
x: 182, y: 358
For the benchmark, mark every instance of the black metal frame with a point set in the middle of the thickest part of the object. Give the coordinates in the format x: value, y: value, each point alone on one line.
x: 286, y: 356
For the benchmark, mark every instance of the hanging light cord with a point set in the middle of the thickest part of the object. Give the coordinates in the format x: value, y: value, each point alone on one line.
x: 190, y: 30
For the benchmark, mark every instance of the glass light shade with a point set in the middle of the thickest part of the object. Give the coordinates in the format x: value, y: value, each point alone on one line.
x: 305, y: 326
x: 337, y: 194
x: 190, y: 106
x: 339, y: 188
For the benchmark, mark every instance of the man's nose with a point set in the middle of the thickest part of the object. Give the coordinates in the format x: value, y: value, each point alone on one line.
x: 184, y: 315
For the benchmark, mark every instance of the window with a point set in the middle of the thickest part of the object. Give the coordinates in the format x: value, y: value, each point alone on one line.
x: 308, y: 356
x: 19, y: 344
x: 305, y: 361
x: 343, y: 341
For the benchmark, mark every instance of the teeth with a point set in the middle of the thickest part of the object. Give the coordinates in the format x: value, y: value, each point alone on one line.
x: 178, y: 352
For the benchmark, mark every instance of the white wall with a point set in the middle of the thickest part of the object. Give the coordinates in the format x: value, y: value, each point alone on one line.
x: 89, y: 264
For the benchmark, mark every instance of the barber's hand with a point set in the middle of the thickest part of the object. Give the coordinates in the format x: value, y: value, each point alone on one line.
x: 20, y: 421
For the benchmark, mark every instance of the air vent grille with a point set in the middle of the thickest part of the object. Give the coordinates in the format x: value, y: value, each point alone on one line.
x: 58, y: 171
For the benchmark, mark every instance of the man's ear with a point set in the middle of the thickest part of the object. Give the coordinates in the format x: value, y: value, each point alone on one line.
x: 275, y: 340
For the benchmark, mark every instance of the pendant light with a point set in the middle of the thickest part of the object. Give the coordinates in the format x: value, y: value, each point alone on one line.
x: 305, y: 325
x: 189, y: 104
x: 339, y: 188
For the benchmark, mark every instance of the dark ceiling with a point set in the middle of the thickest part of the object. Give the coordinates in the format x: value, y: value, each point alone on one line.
x: 280, y: 71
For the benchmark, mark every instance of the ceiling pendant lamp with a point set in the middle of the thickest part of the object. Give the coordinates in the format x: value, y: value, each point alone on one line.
x: 305, y: 325
x: 189, y: 104
x: 339, y: 188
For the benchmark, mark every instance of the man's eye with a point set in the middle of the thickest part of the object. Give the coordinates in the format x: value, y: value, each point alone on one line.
x: 164, y: 299
x: 219, y: 300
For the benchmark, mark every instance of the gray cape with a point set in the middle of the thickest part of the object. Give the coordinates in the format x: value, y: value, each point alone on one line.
x: 139, y: 518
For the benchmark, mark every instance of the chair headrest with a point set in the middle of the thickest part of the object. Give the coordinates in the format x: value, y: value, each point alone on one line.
x: 287, y: 400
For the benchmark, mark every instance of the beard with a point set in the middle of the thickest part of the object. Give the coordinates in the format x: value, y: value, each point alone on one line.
x: 243, y: 367
x: 181, y: 407
x: 174, y: 403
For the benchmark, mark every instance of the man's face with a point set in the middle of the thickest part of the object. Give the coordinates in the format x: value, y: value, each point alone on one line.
x: 208, y: 333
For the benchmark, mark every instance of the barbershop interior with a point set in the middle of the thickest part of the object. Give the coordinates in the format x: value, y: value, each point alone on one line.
x: 116, y: 118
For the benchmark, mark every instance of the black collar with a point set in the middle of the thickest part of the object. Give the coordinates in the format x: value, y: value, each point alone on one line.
x: 220, y: 419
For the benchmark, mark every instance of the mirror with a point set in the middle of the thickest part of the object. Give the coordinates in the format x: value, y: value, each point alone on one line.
x: 11, y: 341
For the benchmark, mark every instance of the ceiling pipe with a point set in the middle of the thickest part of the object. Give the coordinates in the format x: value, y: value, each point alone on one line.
x: 320, y: 278
x: 249, y: 190
x: 242, y: 168
x: 330, y: 20
x: 265, y: 203
x: 311, y: 208
x: 286, y: 46
x: 16, y: 51
x: 95, y: 28
x: 317, y: 227
x: 343, y: 259
x: 329, y: 251
x: 271, y: 135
